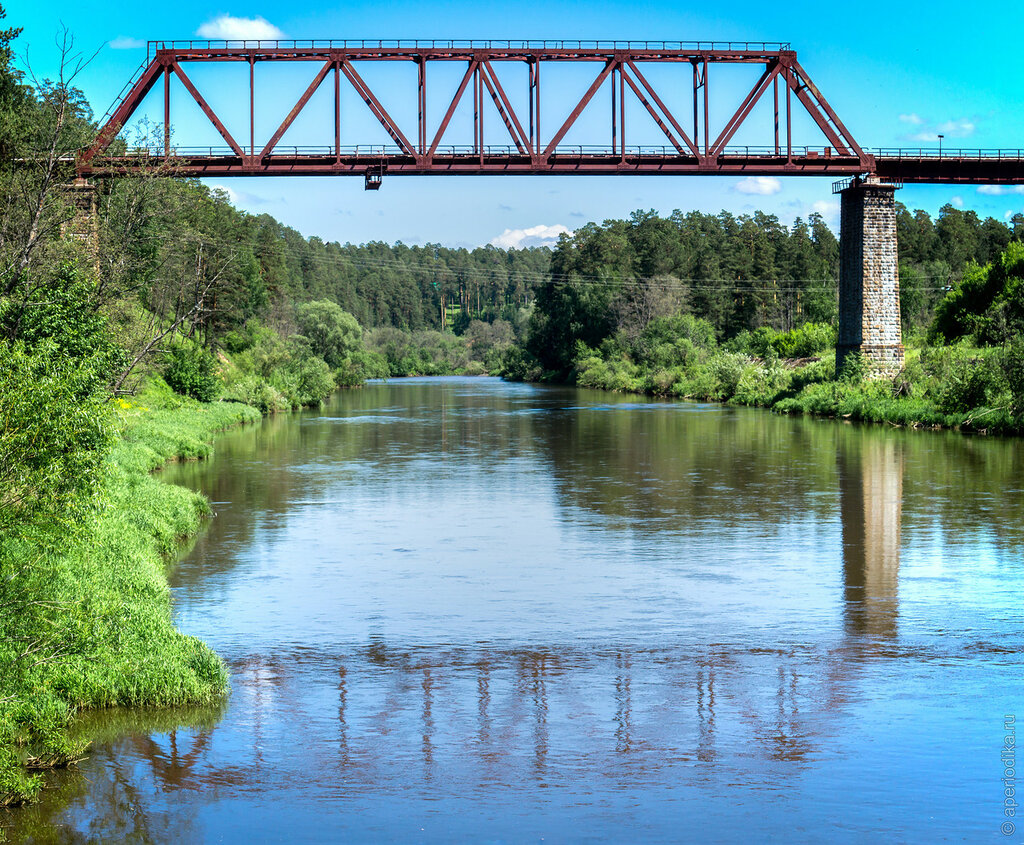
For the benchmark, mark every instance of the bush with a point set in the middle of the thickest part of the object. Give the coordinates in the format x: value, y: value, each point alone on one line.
x: 1013, y: 369
x: 805, y: 341
x: 191, y: 371
x: 972, y: 383
x: 55, y: 431
x: 253, y: 390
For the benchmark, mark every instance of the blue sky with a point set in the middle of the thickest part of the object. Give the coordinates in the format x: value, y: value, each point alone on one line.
x: 897, y: 75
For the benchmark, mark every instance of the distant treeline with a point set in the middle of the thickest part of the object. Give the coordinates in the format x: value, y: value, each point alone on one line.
x: 406, y: 287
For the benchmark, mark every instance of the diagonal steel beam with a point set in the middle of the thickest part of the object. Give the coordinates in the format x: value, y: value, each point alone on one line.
x: 206, y: 108
x: 668, y: 115
x: 378, y: 110
x: 770, y: 72
x: 560, y: 134
x: 125, y: 110
x: 840, y: 139
x: 294, y: 113
x: 501, y: 102
x: 451, y: 109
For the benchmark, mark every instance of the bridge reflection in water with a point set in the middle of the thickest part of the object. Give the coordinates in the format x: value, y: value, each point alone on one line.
x: 871, y: 509
x: 536, y: 708
x: 617, y: 722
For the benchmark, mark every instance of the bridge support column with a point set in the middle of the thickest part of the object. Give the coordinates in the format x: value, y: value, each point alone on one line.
x: 81, y: 224
x: 869, y: 283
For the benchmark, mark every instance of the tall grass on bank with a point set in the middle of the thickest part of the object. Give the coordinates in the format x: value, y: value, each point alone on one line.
x: 85, y: 616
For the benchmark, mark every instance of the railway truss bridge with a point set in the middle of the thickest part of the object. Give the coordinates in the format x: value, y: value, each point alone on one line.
x: 671, y: 91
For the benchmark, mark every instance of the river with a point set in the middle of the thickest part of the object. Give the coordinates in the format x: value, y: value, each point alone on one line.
x: 462, y: 610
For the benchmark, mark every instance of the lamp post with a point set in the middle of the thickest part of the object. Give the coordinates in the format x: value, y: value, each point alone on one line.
x: 940, y: 145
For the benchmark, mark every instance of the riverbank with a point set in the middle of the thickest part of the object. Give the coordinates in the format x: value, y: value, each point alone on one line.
x: 957, y: 386
x: 86, y: 618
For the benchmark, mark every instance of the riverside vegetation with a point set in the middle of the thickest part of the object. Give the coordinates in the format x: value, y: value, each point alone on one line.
x: 196, y: 316
x: 634, y: 308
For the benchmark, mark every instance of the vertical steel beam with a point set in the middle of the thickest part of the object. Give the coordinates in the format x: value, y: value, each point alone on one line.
x: 422, y: 100
x: 337, y: 111
x: 775, y: 91
x: 696, y: 88
x: 531, y: 68
x: 615, y: 126
x: 167, y: 112
x: 477, y: 146
x: 480, y: 100
x: 789, y: 117
x: 622, y: 113
x: 536, y: 81
x: 252, y: 104
x: 707, y: 119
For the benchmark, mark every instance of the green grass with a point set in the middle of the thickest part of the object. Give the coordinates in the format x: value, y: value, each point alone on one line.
x: 88, y: 618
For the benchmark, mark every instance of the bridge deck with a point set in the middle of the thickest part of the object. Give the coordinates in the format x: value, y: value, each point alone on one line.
x: 905, y: 166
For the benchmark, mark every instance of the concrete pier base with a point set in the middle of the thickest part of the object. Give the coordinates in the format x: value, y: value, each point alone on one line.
x: 869, y: 284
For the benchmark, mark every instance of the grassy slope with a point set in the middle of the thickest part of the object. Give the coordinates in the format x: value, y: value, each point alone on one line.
x: 96, y: 614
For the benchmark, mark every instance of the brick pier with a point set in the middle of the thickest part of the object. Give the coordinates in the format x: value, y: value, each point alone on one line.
x: 869, y: 283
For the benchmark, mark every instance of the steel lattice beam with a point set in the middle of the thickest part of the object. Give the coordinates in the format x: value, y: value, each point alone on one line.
x: 704, y: 150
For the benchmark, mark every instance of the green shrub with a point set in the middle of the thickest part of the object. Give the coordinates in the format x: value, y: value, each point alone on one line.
x: 1013, y: 370
x: 190, y: 371
x: 971, y: 383
x: 253, y: 390
x: 804, y: 341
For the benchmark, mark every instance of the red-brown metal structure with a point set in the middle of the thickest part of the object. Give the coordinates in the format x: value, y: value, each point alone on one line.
x: 695, y: 149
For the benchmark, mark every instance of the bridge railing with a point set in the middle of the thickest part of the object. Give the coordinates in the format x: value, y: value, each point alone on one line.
x: 952, y: 153
x: 469, y: 44
x: 490, y: 150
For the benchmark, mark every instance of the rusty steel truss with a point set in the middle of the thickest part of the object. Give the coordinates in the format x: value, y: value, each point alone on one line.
x: 701, y: 146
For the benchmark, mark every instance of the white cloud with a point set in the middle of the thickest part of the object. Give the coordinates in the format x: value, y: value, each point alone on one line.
x: 829, y: 210
x: 958, y: 201
x: 929, y: 132
x: 999, y: 190
x: 123, y: 42
x: 239, y: 29
x: 761, y: 185
x: 957, y: 128
x: 534, y: 236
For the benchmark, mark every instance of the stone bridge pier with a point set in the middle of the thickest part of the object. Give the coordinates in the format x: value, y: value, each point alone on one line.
x: 869, y: 283
x: 80, y: 225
